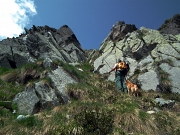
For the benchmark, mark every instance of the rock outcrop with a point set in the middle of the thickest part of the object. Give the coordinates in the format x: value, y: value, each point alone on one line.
x: 46, y: 45
x: 42, y: 94
x: 40, y: 43
x: 118, y: 32
x: 153, y: 58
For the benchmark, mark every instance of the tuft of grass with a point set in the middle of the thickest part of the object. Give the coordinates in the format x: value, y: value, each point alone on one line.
x: 72, y: 70
x: 143, y: 115
x: 85, y: 66
x: 128, y: 107
x: 165, y: 81
x: 172, y: 96
x: 9, y: 90
x: 137, y: 71
x: 31, y: 122
x: 165, y: 122
x: 33, y: 66
x: 5, y: 70
x: 95, y: 121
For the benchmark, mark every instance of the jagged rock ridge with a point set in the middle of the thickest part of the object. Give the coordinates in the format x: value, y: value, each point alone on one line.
x: 171, y: 26
x: 40, y: 43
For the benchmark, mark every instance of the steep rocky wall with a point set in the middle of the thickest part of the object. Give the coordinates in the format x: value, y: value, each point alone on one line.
x: 154, y: 58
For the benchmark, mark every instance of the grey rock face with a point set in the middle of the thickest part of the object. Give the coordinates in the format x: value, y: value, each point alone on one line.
x: 27, y: 101
x: 147, y: 79
x: 153, y: 58
x: 174, y: 76
x: 46, y: 95
x: 117, y: 33
x: 119, y: 30
x: 41, y: 95
x: 40, y: 43
x: 60, y: 79
x: 47, y: 62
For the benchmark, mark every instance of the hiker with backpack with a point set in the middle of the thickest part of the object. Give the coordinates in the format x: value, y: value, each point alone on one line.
x: 121, y: 69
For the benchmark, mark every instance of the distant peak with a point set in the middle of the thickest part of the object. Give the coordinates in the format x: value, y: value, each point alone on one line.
x: 171, y: 26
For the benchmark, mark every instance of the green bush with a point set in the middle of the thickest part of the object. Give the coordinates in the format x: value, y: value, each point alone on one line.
x: 95, y: 121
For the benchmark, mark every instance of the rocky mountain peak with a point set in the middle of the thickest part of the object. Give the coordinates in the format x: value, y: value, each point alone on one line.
x: 117, y: 33
x: 171, y: 26
x: 120, y: 29
x: 41, y: 42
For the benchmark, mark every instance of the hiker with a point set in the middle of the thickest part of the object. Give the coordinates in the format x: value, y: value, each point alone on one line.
x: 121, y: 70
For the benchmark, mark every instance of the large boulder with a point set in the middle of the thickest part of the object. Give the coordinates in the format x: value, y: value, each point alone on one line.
x: 42, y: 95
x: 60, y: 79
x: 46, y: 95
x: 27, y: 101
x: 36, y: 97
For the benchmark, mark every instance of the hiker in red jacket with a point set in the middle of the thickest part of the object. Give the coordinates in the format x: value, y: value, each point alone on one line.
x: 120, y: 69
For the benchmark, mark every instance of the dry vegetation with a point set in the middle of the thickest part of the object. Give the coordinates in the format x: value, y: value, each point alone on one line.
x: 96, y: 108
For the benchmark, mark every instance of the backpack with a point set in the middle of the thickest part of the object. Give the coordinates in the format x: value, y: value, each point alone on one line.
x: 123, y: 67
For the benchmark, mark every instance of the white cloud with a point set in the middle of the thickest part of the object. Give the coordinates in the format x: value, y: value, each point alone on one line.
x: 15, y: 15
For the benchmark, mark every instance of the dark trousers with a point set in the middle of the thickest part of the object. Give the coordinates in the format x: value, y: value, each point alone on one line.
x: 120, y: 81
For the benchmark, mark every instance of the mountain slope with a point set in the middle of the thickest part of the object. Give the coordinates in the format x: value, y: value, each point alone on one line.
x: 48, y: 88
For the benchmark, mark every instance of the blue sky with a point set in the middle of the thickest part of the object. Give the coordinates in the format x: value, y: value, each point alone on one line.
x: 90, y: 20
